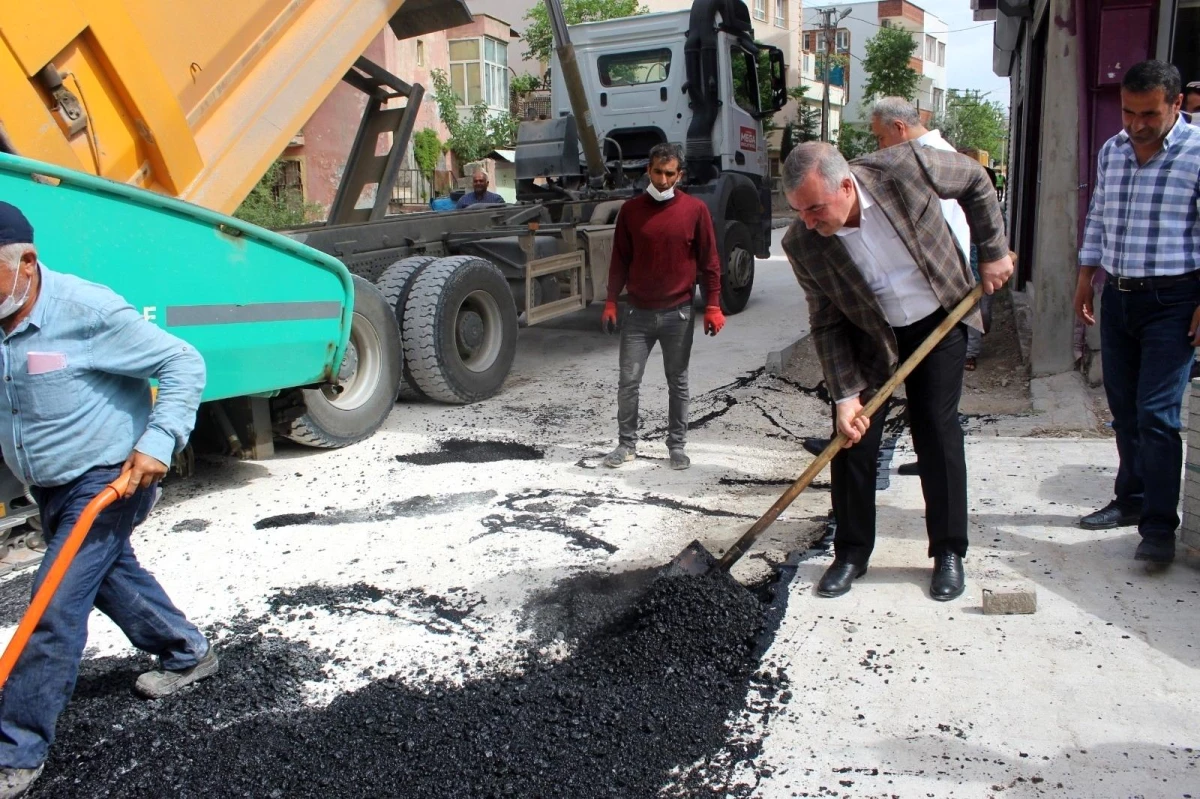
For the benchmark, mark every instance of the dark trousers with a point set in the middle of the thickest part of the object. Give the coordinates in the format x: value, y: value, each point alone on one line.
x: 673, y: 328
x: 933, y: 391
x: 1147, y: 355
x: 106, y: 575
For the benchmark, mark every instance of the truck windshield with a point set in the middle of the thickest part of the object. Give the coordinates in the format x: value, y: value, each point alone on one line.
x: 635, y: 68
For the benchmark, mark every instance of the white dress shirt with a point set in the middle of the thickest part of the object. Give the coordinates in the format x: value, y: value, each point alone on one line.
x: 898, y: 283
x: 955, y: 218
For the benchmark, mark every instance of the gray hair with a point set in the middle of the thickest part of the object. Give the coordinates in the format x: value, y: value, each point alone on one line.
x: 895, y: 109
x: 10, y: 254
x: 667, y: 152
x: 810, y: 155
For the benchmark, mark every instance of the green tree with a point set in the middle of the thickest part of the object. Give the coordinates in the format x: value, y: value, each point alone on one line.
x: 274, y: 206
x: 807, y: 123
x: 972, y: 121
x: 426, y: 149
x: 539, y: 38
x: 478, y: 133
x: 853, y: 142
x: 886, y: 65
x: 524, y: 84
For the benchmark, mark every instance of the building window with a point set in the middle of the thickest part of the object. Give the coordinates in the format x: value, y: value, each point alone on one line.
x: 930, y: 48
x: 760, y: 9
x: 843, y: 41
x: 780, y: 13
x: 289, y: 181
x: 420, y: 53
x: 941, y: 54
x: 939, y: 98
x: 806, y: 64
x: 479, y: 71
x: 820, y: 42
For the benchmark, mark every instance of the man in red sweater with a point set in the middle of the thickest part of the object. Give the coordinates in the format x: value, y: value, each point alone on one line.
x: 664, y: 240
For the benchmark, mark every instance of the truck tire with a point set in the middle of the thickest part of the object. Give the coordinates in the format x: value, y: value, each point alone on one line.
x: 396, y: 282
x: 737, y: 273
x: 369, y: 374
x: 460, y: 329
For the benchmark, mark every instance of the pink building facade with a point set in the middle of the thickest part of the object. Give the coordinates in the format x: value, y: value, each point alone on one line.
x: 317, y: 156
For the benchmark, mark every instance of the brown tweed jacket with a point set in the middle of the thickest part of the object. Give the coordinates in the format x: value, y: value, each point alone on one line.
x: 856, y: 345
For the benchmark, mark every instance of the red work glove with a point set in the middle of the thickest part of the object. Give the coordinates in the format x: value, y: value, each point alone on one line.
x: 608, y: 322
x: 714, y: 320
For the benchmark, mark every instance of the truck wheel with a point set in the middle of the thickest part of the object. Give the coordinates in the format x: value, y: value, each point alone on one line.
x: 396, y: 283
x: 369, y: 378
x: 737, y: 278
x: 460, y: 329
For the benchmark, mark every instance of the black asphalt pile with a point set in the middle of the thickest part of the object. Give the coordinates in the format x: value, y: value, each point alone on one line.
x: 637, y: 704
x: 462, y: 450
x: 14, y: 597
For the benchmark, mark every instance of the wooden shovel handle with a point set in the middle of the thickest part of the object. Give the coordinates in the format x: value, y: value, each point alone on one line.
x: 876, y: 402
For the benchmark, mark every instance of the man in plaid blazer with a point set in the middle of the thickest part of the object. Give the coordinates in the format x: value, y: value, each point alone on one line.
x: 880, y: 270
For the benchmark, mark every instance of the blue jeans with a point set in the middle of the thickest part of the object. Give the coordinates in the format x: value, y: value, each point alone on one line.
x: 1146, y: 354
x: 105, y: 574
x: 673, y: 328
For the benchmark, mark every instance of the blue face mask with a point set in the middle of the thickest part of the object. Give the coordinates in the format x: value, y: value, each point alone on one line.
x: 12, y: 303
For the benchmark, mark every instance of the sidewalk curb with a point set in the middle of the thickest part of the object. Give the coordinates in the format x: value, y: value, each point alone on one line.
x: 777, y: 360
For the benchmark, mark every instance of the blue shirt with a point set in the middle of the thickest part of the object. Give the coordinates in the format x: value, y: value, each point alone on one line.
x: 76, y: 384
x: 470, y: 199
x: 1144, y: 220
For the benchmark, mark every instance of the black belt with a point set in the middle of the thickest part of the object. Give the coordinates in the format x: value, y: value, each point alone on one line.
x: 1151, y: 283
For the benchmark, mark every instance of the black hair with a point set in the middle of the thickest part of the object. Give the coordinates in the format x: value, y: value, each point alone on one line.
x: 1146, y: 76
x: 667, y: 152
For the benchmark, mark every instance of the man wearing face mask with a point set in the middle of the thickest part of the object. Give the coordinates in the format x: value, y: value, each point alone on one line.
x: 75, y: 412
x: 663, y: 240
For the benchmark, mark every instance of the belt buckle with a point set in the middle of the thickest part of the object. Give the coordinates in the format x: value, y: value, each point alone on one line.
x: 1121, y: 284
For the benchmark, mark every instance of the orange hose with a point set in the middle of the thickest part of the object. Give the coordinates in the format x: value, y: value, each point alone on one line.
x: 41, y: 600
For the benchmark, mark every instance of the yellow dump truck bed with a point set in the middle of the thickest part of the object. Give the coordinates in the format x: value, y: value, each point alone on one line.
x: 191, y: 99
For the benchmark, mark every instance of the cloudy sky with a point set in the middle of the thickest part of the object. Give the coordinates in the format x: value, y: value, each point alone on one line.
x: 968, y: 52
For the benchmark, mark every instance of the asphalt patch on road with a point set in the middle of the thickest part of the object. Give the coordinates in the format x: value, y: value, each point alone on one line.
x: 645, y: 700
x: 405, y: 508
x: 442, y: 614
x: 462, y: 450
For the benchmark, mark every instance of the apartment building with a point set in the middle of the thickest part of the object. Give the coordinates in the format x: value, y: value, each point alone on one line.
x: 862, y: 23
x: 474, y: 56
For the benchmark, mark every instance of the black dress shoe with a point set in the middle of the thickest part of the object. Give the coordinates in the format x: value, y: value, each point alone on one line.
x: 1110, y: 516
x: 838, y: 577
x: 1156, y: 549
x: 908, y: 468
x: 948, y: 578
x: 815, y: 446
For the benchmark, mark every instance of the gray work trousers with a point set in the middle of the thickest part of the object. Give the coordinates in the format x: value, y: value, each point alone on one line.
x: 673, y: 328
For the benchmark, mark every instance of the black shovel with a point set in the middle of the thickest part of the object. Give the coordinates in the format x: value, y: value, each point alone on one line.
x: 696, y: 560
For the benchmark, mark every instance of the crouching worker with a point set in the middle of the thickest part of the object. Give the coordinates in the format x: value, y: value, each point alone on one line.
x: 663, y: 241
x: 75, y: 411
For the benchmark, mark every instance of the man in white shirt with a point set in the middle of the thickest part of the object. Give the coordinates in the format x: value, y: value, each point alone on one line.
x: 895, y: 121
x: 880, y: 270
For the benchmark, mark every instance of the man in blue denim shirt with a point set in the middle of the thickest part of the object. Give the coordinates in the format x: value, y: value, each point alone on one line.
x: 75, y: 411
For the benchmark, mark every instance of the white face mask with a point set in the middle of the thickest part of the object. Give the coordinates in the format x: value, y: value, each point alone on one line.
x: 12, y: 303
x: 661, y: 196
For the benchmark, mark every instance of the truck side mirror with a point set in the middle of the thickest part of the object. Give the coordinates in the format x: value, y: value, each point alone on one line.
x: 779, y: 97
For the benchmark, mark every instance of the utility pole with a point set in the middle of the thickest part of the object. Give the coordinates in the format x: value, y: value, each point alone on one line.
x: 828, y: 32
